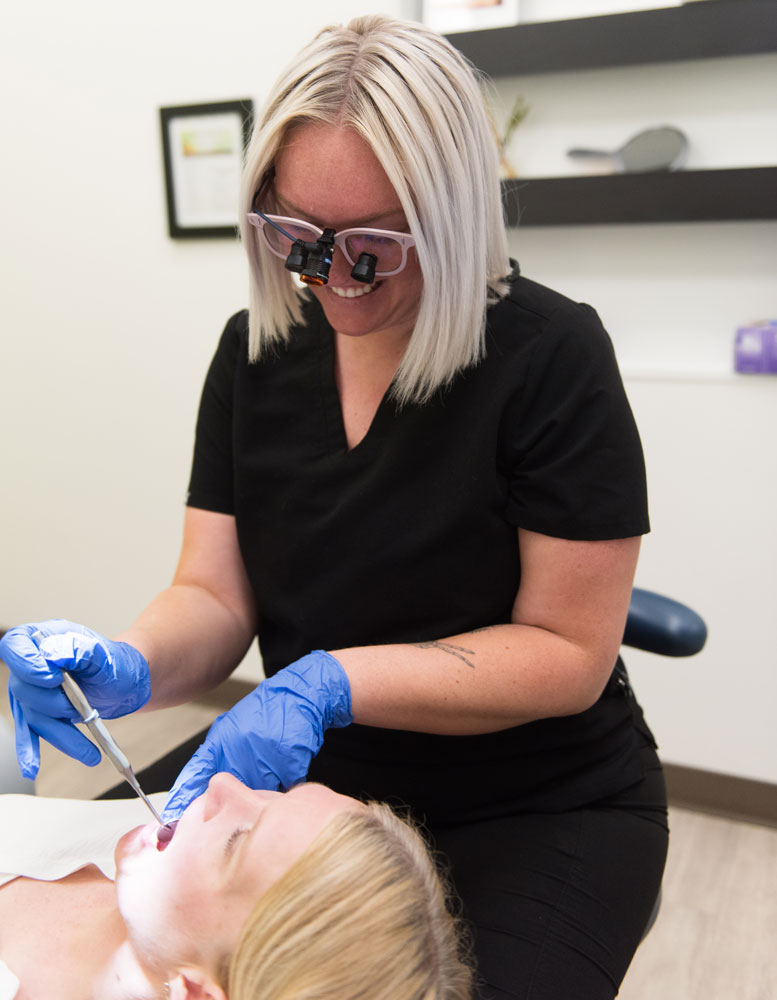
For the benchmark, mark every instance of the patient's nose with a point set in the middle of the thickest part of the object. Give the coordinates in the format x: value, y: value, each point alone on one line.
x: 226, y: 790
x: 221, y: 789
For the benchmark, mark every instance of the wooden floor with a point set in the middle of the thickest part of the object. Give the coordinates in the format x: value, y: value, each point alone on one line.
x: 716, y: 934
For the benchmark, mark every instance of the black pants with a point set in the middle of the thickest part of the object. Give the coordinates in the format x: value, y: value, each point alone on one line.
x: 557, y: 904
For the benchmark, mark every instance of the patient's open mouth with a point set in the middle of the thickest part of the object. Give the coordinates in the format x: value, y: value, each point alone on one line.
x: 165, y: 834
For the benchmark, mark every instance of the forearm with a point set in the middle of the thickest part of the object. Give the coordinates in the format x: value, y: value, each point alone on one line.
x: 191, y: 640
x: 477, y: 682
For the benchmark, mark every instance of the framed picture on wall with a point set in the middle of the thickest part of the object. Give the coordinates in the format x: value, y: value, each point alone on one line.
x: 203, y: 146
x: 448, y: 16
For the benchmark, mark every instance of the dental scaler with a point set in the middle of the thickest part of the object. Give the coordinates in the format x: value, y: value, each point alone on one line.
x: 91, y: 719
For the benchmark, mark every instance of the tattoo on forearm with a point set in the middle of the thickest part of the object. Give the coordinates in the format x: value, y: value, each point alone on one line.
x: 448, y: 647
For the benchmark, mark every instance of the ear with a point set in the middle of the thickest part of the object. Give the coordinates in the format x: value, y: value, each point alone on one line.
x: 195, y: 984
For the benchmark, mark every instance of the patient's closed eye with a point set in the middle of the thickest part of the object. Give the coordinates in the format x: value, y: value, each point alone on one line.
x: 233, y: 839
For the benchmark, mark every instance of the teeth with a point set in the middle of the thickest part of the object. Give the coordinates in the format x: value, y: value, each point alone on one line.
x: 352, y: 293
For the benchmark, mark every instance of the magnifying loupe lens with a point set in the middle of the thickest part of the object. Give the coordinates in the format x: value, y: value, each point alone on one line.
x: 297, y: 259
x: 364, y: 269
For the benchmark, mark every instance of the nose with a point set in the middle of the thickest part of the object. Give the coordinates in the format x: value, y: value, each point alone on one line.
x: 340, y: 273
x: 220, y: 790
x: 224, y: 790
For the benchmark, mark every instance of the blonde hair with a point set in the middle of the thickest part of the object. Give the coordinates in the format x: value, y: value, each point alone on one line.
x: 416, y: 102
x: 362, y: 914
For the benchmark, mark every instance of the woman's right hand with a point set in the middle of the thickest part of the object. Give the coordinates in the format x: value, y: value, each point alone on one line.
x: 114, y: 676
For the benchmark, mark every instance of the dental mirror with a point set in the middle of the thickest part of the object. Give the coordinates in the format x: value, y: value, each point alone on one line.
x: 661, y: 148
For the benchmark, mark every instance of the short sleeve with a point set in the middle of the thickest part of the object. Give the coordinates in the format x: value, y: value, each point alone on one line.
x: 575, y: 463
x: 211, y: 485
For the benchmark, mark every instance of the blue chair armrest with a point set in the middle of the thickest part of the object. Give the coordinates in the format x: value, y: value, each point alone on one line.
x: 660, y: 625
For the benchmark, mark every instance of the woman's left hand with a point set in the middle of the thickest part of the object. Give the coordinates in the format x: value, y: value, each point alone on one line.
x: 268, y: 739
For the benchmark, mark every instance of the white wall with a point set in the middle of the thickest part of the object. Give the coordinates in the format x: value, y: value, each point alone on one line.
x: 108, y: 326
x: 672, y: 297
x: 713, y: 489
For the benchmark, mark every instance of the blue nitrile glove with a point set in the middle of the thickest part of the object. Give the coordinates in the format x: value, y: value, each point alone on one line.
x: 269, y: 738
x: 114, y: 677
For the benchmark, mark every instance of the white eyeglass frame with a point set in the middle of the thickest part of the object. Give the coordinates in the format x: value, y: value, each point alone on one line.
x: 260, y: 219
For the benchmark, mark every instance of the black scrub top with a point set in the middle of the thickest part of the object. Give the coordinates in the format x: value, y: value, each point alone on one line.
x: 411, y: 536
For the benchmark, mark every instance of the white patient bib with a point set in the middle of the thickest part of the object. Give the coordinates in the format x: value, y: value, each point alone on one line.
x: 9, y: 984
x: 47, y: 839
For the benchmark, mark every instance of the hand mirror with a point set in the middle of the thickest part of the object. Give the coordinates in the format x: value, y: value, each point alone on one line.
x: 662, y: 148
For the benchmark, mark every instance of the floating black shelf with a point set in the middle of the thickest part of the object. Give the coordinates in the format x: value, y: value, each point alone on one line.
x: 707, y: 30
x: 694, y: 31
x: 747, y: 193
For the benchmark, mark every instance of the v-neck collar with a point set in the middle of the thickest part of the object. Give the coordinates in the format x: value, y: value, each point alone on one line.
x: 329, y: 395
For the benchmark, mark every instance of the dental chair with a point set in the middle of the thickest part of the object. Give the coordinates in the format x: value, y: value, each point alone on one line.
x: 10, y: 778
x: 660, y: 625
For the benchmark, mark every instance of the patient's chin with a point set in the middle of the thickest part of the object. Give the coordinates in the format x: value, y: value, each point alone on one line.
x: 145, y: 894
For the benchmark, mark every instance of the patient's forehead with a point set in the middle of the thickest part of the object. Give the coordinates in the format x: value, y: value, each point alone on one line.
x: 316, y: 791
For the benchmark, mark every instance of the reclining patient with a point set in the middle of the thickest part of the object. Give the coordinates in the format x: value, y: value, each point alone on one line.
x: 258, y: 894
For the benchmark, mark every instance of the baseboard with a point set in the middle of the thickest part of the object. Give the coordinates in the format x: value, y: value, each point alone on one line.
x: 722, y: 794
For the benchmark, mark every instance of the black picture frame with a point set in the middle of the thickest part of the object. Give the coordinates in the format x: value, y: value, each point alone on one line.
x: 203, y: 147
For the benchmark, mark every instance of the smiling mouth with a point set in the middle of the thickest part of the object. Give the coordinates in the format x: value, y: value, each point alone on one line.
x: 354, y: 292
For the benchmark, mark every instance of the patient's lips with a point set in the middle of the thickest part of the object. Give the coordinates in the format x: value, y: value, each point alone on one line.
x: 165, y: 834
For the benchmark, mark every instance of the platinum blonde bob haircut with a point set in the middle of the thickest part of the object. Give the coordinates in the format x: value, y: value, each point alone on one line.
x: 362, y: 915
x: 418, y: 104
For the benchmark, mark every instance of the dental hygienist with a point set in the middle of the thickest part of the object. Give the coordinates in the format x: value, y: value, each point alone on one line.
x: 419, y: 482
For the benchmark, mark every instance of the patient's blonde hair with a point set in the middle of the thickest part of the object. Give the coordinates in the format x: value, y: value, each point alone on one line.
x: 417, y: 103
x: 362, y: 914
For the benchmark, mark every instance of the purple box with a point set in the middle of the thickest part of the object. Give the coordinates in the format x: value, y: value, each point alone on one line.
x: 755, y: 349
